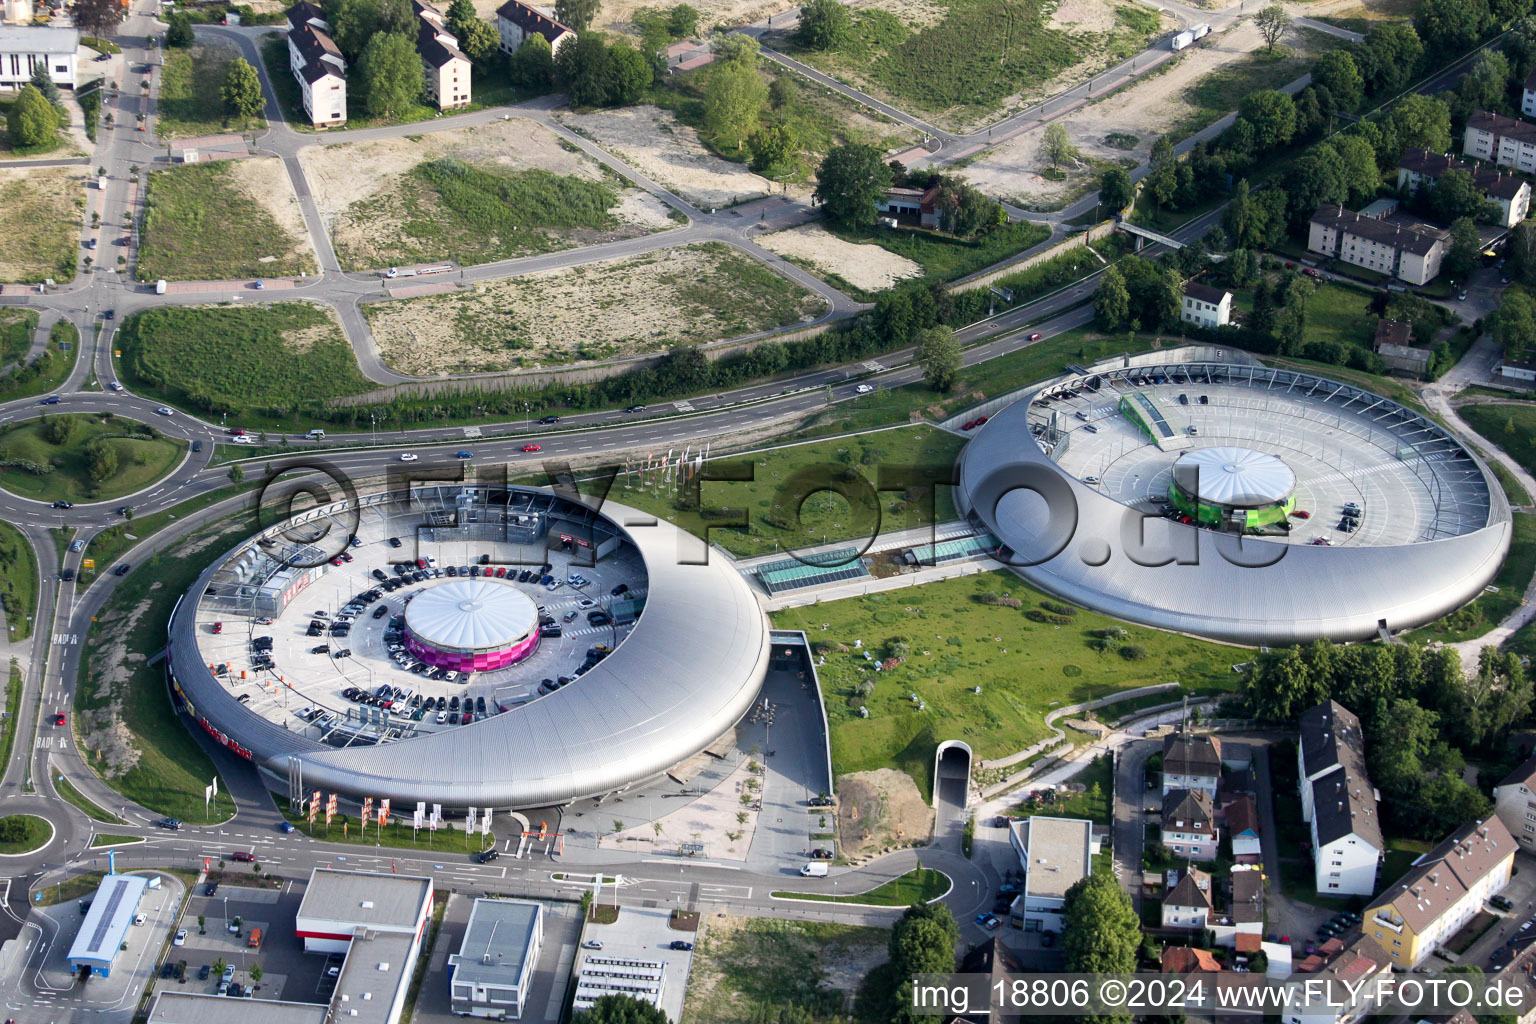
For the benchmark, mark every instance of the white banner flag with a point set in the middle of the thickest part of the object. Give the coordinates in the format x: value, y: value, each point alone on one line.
x: 437, y: 814
x: 485, y: 822
x: 215, y: 785
x: 416, y: 819
x: 469, y: 822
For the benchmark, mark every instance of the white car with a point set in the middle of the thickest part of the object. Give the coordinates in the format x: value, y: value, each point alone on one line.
x: 586, y: 602
x: 138, y: 918
x: 164, y: 410
x: 863, y: 389
x: 408, y: 456
x: 243, y: 439
x: 442, y: 716
x: 180, y: 939
x: 115, y: 386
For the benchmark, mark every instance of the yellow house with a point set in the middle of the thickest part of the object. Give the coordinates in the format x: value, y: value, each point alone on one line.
x: 1441, y: 893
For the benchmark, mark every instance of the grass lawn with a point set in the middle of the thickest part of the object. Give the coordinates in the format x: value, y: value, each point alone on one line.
x: 1489, y: 609
x: 48, y: 370
x: 1024, y: 667
x: 1337, y: 313
x: 1511, y: 427
x: 976, y: 57
x: 40, y: 213
x: 17, y: 326
x: 128, y: 730
x: 190, y: 103
x: 1092, y: 804
x: 1401, y: 853
x: 919, y: 886
x: 139, y: 457
x: 106, y: 547
x: 271, y: 360
x: 31, y: 833
x: 451, y: 210
x: 67, y: 790
x: 18, y: 581
x: 824, y: 515
x: 106, y: 839
x: 200, y: 225
x: 1513, y: 490
x: 87, y: 882
x: 944, y: 257
x: 398, y: 833
x: 12, y: 709
x: 743, y: 967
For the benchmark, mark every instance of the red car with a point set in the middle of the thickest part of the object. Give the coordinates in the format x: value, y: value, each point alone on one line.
x: 243, y: 857
x: 981, y: 419
x: 1035, y: 337
x: 533, y: 448
x: 336, y: 560
x: 1312, y: 272
x: 1302, y: 514
x: 235, y: 431
x: 59, y: 719
x: 968, y: 425
x: 218, y: 627
x: 501, y: 572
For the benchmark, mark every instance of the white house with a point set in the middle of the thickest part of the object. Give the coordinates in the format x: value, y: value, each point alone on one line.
x: 317, y: 66
x: 1403, y: 247
x: 1191, y: 762
x: 1243, y: 830
x: 1055, y: 854
x: 1338, y: 801
x: 1506, y: 141
x: 1189, y: 828
x: 1515, y: 803
x: 1206, y: 306
x: 1509, y: 192
x: 23, y: 47
x: 495, y: 961
x: 445, y: 67
x: 517, y: 21
x: 1188, y: 902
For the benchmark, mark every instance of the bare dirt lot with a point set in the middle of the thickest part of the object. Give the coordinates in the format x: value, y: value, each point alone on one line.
x: 652, y: 140
x: 265, y: 180
x: 866, y: 266
x: 38, y: 217
x: 359, y: 186
x: 880, y: 811
x: 692, y: 294
x: 1162, y: 103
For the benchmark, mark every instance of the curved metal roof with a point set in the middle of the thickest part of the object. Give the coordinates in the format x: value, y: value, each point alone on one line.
x: 1235, y: 477
x: 1086, y: 547
x: 689, y: 669
x: 471, y: 615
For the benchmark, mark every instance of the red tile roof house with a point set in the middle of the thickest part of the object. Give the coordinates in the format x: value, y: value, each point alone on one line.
x: 911, y: 205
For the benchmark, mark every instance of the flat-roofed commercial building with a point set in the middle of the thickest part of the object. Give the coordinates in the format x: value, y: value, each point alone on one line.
x: 494, y: 964
x: 1056, y: 854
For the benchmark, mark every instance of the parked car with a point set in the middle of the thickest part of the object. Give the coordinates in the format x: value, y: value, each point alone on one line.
x: 592, y: 944
x: 988, y: 921
x: 680, y: 944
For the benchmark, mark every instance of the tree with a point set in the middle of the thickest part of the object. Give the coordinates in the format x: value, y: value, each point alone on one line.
x: 44, y: 84
x: 824, y: 25
x: 736, y: 48
x: 1242, y: 268
x: 460, y: 13
x: 1338, y: 71
x: 1520, y: 44
x: 1486, y: 81
x: 256, y: 973
x: 773, y: 147
x: 97, y: 17
x: 32, y: 122
x: 1390, y: 57
x: 533, y: 65
x: 621, y: 1009
x: 1116, y: 190
x: 1111, y: 301
x: 578, y: 14
x: 1514, y: 324
x: 391, y: 73
x: 1272, y: 22
x: 583, y: 68
x: 683, y: 20
x: 1313, y: 181
x: 1355, y: 161
x: 629, y: 75
x: 1419, y: 120
x: 1450, y: 27
x: 1273, y: 116
x: 101, y: 460
x: 1102, y: 931
x: 1461, y: 257
x: 479, y: 40
x: 1521, y: 253
x: 1454, y: 195
x: 733, y: 98
x: 354, y: 23
x: 938, y: 353
x: 241, y: 91
x: 1058, y: 144
x: 179, y: 30
x: 850, y: 180
x: 236, y: 474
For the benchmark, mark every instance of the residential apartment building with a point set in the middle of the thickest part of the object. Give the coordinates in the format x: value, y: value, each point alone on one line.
x: 517, y: 21
x: 1054, y: 854
x: 1442, y: 892
x: 23, y: 47
x: 1403, y: 247
x: 1506, y: 141
x: 1511, y: 193
x: 1528, y: 97
x: 1189, y: 824
x: 1338, y: 801
x: 1188, y: 901
x: 1206, y: 306
x: 445, y: 68
x: 494, y: 965
x: 1515, y: 803
x: 1191, y: 762
x: 317, y: 66
x: 1353, y: 967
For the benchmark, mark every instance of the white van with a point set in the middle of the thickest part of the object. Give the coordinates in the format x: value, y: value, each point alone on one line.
x: 815, y: 869
x: 315, y: 435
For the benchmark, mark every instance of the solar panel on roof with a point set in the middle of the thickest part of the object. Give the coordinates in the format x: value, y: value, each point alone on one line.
x: 114, y: 898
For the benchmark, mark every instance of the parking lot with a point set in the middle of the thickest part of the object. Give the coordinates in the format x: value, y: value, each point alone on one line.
x: 645, y: 934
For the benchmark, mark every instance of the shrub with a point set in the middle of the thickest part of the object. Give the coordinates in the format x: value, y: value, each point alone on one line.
x: 1133, y: 652
x: 1036, y: 615
x: 1058, y: 608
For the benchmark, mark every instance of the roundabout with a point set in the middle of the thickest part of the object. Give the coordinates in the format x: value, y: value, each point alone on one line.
x: 84, y: 457
x: 21, y: 834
